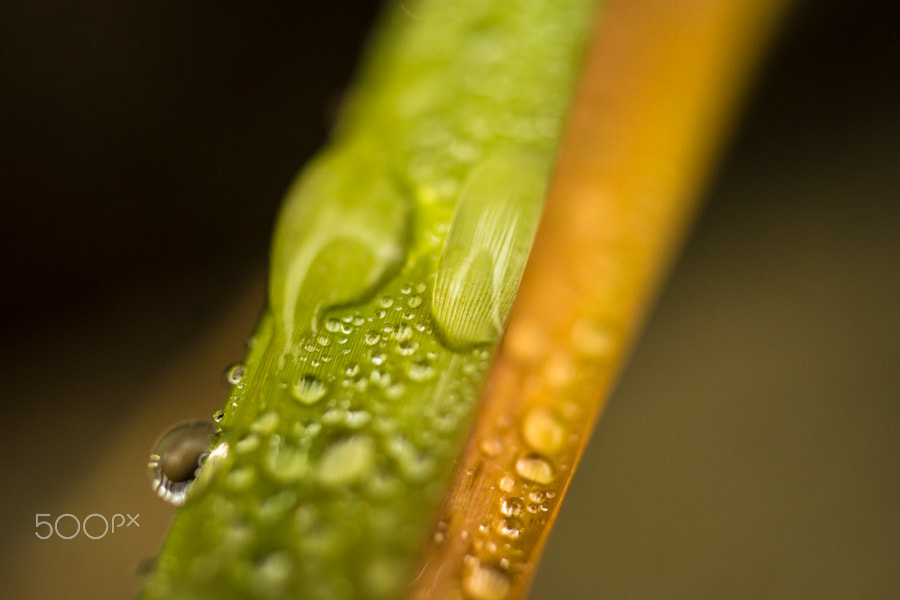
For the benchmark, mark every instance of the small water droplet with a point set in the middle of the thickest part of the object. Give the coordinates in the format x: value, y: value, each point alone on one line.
x: 387, y: 301
x: 592, y: 338
x: 358, y: 320
x: 542, y: 430
x: 309, y: 389
x: 536, y: 468
x: 404, y: 332
x: 372, y: 337
x: 421, y: 370
x: 346, y: 461
x: 380, y: 313
x: 352, y: 370
x: 414, y: 301
x: 235, y: 373
x: 176, y: 459
x: 490, y: 446
x: 378, y: 358
x: 333, y: 325
x: 483, y: 582
x: 406, y: 289
x: 323, y: 340
x: 512, y: 506
x: 218, y: 416
x: 346, y: 328
x: 507, y: 483
x: 407, y: 348
x: 511, y: 528
x: 266, y: 424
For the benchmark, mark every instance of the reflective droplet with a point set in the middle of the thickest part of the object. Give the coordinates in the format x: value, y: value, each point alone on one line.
x: 535, y: 468
x: 592, y: 339
x: 378, y: 358
x: 490, y: 446
x: 235, y: 373
x: 218, y: 416
x: 346, y: 461
x: 421, y: 370
x: 387, y: 301
x: 512, y: 507
x: 483, y: 582
x: 542, y: 430
x: 309, y: 389
x: 511, y: 528
x: 407, y: 348
x: 507, y: 483
x: 414, y: 302
x: 177, y: 457
x: 404, y: 332
x: 333, y: 325
x: 372, y: 337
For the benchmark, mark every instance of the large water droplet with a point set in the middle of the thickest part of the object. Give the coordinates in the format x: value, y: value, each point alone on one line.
x: 543, y: 431
x: 535, y: 468
x: 309, y: 389
x: 483, y: 582
x: 176, y: 459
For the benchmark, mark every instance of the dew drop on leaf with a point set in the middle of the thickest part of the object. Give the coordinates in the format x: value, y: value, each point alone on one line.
x: 176, y: 459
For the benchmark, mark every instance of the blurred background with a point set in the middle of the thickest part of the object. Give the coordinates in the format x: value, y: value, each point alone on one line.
x: 751, y: 449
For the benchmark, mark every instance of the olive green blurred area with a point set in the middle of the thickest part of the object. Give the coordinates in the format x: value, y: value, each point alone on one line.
x: 750, y: 451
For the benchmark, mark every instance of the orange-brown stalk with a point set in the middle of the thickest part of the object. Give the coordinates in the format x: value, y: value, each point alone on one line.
x: 660, y: 83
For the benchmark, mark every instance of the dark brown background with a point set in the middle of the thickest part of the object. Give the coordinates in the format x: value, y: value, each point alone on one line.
x: 750, y: 450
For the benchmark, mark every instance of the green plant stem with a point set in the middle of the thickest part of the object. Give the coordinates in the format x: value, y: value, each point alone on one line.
x: 395, y: 261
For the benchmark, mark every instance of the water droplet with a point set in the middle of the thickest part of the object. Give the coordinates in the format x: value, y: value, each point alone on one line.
x: 378, y: 358
x: 346, y: 461
x: 285, y: 463
x: 483, y: 582
x: 490, y: 446
x: 592, y: 339
x: 421, y: 370
x: 241, y: 479
x: 404, y: 332
x: 218, y: 416
x: 266, y: 424
x: 387, y: 301
x: 380, y: 313
x: 235, y: 373
x: 247, y: 445
x: 324, y: 340
x: 406, y: 289
x: 346, y: 328
x: 333, y: 325
x: 507, y: 483
x: 395, y: 390
x: 357, y: 418
x: 372, y: 337
x: 542, y: 430
x: 533, y: 467
x: 309, y: 389
x: 407, y: 348
x: 414, y: 302
x: 512, y: 506
x: 525, y: 342
x: 536, y: 496
x: 177, y: 457
x: 510, y: 528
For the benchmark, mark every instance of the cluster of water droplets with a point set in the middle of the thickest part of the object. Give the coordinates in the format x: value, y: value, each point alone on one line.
x: 370, y: 401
